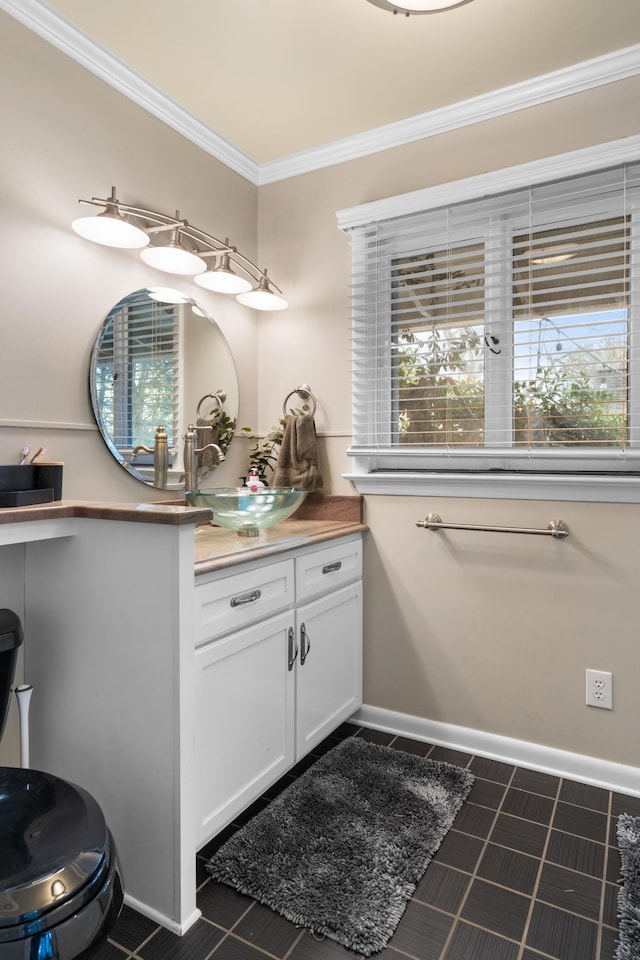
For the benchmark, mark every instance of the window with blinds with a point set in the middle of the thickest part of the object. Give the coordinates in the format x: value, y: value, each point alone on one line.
x: 136, y: 372
x: 501, y: 333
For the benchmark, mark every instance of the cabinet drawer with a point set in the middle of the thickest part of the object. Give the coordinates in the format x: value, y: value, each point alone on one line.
x: 229, y: 603
x: 328, y: 569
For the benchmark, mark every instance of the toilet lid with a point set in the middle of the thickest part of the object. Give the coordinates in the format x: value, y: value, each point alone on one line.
x: 53, y: 838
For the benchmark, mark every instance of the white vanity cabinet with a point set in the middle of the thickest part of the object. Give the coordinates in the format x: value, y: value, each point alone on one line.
x: 279, y: 666
x: 175, y: 699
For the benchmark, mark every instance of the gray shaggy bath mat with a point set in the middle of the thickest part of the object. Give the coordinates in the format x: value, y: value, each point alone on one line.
x: 629, y: 893
x: 341, y: 850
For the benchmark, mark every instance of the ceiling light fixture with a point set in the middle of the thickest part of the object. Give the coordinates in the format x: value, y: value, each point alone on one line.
x: 409, y: 7
x: 112, y: 227
x: 553, y: 253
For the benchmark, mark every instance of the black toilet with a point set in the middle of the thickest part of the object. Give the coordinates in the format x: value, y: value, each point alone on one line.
x: 60, y: 881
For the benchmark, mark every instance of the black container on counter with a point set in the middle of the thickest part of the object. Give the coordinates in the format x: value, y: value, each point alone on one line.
x: 22, y: 485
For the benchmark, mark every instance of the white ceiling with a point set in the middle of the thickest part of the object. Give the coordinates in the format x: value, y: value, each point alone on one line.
x: 277, y: 77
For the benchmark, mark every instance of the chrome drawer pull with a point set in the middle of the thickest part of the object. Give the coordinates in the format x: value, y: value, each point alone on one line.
x: 332, y: 567
x: 306, y: 644
x: 242, y: 598
x: 292, y: 653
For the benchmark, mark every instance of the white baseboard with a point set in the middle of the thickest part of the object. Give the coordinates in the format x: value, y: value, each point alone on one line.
x: 178, y: 928
x: 600, y: 773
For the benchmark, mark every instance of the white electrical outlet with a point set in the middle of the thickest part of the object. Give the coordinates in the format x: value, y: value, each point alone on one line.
x: 600, y: 689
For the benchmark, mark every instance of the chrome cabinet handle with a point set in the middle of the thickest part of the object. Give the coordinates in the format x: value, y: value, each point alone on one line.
x: 305, y: 644
x: 332, y: 567
x: 242, y: 598
x: 292, y: 653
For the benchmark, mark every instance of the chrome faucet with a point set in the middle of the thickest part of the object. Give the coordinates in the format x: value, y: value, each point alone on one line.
x: 191, y: 451
x: 160, y: 452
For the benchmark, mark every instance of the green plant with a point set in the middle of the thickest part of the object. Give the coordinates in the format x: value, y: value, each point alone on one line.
x: 561, y: 407
x: 226, y: 430
x: 263, y: 454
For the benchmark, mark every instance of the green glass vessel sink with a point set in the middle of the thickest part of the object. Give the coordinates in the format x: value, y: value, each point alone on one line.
x: 248, y: 513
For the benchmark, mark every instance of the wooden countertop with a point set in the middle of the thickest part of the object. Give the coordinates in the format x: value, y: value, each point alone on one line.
x: 168, y: 513
x: 217, y: 548
x: 319, y: 518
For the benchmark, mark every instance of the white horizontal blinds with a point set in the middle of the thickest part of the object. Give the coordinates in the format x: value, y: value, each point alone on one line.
x: 438, y: 346
x: 417, y: 308
x: 501, y: 324
x: 571, y: 297
x: 371, y: 347
x: 137, y: 372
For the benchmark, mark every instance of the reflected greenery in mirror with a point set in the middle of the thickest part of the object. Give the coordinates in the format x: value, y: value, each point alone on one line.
x: 159, y: 363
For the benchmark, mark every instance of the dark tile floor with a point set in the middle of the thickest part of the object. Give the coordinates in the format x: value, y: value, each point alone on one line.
x: 529, y: 871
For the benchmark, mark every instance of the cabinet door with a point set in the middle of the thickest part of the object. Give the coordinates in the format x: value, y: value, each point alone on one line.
x: 245, y: 717
x: 329, y: 670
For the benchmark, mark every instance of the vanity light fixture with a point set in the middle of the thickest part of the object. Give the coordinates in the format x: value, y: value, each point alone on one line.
x: 222, y: 279
x: 112, y: 227
x: 410, y: 7
x: 173, y: 257
x: 262, y: 297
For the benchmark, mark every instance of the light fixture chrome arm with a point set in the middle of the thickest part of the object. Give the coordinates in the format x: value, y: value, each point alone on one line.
x: 117, y: 216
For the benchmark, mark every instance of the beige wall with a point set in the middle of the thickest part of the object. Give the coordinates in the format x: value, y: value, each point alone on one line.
x: 66, y: 135
x: 483, y: 631
x: 493, y: 634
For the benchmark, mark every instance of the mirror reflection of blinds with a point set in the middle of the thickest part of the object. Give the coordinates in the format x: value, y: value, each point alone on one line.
x: 502, y: 323
x: 137, y: 372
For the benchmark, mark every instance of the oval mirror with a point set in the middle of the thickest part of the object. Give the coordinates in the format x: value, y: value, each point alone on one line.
x: 159, y: 364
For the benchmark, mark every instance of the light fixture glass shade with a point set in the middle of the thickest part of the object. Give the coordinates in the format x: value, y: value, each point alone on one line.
x: 222, y: 279
x: 173, y: 258
x: 418, y: 6
x: 111, y: 230
x: 426, y: 6
x: 262, y: 298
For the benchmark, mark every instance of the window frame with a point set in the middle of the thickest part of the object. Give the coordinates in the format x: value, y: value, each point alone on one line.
x: 376, y: 469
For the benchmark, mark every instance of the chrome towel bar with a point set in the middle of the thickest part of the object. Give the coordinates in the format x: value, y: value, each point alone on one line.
x: 556, y: 528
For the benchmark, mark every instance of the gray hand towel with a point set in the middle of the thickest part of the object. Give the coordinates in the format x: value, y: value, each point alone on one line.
x: 298, y: 460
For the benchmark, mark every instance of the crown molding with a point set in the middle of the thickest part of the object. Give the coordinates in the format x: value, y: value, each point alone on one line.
x: 61, y: 33
x: 610, y: 68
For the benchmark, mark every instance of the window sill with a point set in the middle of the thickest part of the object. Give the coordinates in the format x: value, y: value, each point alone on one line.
x: 507, y: 486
